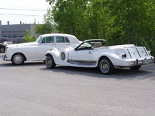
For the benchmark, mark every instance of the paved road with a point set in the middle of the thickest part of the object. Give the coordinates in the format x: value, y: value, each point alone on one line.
x: 33, y: 90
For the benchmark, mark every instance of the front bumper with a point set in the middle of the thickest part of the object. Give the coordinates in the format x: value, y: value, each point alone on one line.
x: 5, y: 58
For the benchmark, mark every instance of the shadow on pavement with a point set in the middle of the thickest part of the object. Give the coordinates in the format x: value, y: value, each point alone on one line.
x: 95, y: 72
x: 9, y: 64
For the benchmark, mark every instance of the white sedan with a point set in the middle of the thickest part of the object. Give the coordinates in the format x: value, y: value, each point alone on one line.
x: 35, y: 51
x: 93, y: 53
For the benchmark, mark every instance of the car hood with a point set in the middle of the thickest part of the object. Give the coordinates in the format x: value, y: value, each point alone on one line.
x: 22, y: 44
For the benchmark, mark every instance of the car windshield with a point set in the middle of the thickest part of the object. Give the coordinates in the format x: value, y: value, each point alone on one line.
x: 90, y: 45
x: 39, y: 39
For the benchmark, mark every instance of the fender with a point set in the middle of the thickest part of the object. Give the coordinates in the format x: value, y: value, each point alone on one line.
x: 115, y: 59
x: 10, y: 52
x: 64, y: 54
x: 53, y: 52
x: 57, y: 58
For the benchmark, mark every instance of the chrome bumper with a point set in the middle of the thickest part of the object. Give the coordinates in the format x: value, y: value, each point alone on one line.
x: 142, y: 62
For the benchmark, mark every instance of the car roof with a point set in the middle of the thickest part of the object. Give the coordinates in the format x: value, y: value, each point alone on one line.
x: 57, y: 34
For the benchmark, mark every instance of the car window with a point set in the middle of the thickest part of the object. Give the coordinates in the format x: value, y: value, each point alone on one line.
x: 67, y: 40
x: 44, y: 39
x: 85, y: 46
x: 48, y: 40
x: 60, y: 40
x: 39, y: 39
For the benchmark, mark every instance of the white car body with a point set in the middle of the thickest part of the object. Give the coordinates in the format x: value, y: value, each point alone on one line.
x: 127, y: 55
x: 35, y: 51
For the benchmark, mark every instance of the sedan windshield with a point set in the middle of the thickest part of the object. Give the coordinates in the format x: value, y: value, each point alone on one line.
x: 39, y: 39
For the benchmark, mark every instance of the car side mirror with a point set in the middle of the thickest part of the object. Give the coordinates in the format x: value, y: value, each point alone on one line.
x: 75, y: 49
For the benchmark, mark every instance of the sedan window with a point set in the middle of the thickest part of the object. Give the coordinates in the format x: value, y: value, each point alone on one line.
x: 60, y: 40
x: 67, y: 40
x: 48, y: 40
x: 39, y: 39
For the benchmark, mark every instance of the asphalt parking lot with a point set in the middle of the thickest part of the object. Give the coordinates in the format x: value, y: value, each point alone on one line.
x: 33, y: 90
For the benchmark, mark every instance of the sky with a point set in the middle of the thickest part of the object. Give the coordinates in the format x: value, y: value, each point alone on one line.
x: 26, y: 11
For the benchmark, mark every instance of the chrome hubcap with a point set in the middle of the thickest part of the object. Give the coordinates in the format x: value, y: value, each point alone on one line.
x: 48, y: 62
x: 18, y: 59
x: 104, y: 66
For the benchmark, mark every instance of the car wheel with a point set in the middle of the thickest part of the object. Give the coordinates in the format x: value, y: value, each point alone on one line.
x: 105, y: 65
x: 18, y: 59
x: 50, y: 62
x: 2, y: 49
x: 135, y: 67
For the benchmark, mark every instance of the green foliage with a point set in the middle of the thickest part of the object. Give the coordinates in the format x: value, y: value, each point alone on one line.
x: 28, y: 37
x: 47, y: 27
x: 116, y: 21
x: 40, y: 29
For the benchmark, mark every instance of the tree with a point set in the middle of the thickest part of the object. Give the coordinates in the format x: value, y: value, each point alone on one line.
x: 116, y: 21
x: 47, y: 27
x: 28, y: 37
x: 40, y: 29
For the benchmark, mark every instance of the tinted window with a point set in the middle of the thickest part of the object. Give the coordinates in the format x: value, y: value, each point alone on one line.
x: 43, y: 41
x: 49, y: 39
x: 67, y: 40
x: 60, y: 40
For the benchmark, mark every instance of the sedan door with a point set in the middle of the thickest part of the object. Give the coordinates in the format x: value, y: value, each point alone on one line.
x: 46, y: 44
x: 62, y: 42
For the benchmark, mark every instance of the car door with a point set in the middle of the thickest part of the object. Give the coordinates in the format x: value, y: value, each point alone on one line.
x: 83, y: 52
x: 46, y: 44
x: 62, y: 42
x: 81, y: 55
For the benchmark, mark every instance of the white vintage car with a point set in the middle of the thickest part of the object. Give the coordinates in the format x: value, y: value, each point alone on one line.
x: 93, y: 53
x: 35, y: 51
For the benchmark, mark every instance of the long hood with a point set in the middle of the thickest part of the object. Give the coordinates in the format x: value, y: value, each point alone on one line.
x: 23, y: 44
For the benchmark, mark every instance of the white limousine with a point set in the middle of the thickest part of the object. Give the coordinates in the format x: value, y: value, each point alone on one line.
x: 93, y: 53
x: 35, y: 51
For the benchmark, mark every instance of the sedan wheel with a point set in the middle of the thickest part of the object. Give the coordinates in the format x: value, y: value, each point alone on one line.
x: 105, y: 65
x: 50, y: 62
x: 18, y: 59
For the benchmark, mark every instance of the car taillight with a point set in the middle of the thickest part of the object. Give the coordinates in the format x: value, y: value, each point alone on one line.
x: 123, y: 55
x: 150, y: 52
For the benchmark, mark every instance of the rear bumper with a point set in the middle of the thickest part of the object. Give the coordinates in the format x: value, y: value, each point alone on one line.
x: 142, y: 61
x: 132, y: 62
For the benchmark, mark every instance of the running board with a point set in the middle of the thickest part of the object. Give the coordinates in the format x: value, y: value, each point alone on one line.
x: 82, y: 63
